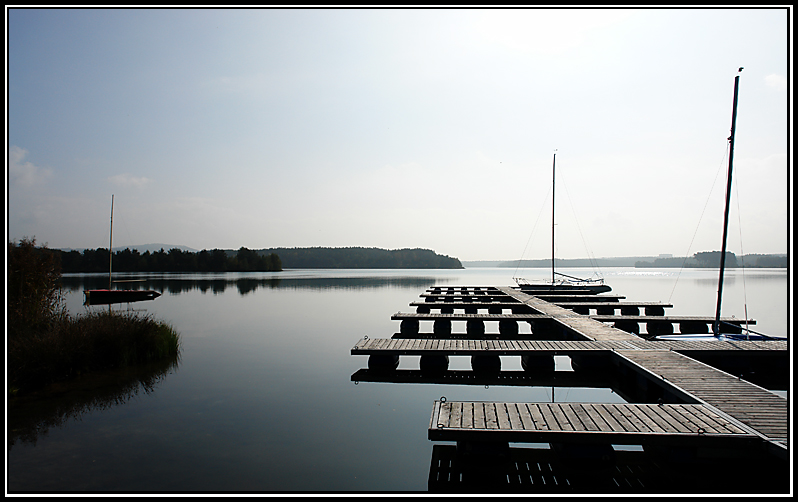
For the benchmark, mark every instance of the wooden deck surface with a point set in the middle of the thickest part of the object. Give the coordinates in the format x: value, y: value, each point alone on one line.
x: 759, y: 408
x: 582, y: 422
x: 418, y: 346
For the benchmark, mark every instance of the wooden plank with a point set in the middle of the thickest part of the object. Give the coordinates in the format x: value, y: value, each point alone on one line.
x: 609, y: 418
x: 676, y: 424
x: 480, y: 421
x: 655, y: 418
x: 570, y: 413
x: 491, y: 420
x: 642, y: 420
x: 502, y: 416
x: 456, y: 415
x: 514, y: 414
x: 445, y: 411
x: 526, y: 416
x: 619, y: 416
x: 709, y: 420
x: 536, y: 414
x: 467, y: 416
x: 560, y: 417
x: 597, y: 419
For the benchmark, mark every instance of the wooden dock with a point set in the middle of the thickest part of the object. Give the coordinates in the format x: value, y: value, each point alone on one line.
x: 679, y: 401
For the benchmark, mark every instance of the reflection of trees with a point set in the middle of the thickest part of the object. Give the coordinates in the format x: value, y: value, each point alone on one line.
x: 33, y: 415
x: 245, y: 285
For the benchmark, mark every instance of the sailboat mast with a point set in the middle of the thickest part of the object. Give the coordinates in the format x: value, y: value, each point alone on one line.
x: 716, y: 326
x: 554, y: 159
x: 111, y: 244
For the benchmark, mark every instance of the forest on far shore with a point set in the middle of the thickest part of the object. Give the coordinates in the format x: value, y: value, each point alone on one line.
x: 711, y: 259
x: 251, y: 260
x: 174, y: 260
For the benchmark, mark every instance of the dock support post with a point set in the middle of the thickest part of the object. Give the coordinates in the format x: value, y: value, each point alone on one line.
x: 383, y: 362
x: 693, y: 327
x: 628, y: 326
x: 486, y: 363
x: 434, y: 363
x: 408, y: 327
x: 508, y: 327
x: 656, y: 328
x: 537, y: 363
x: 442, y: 327
x: 475, y: 327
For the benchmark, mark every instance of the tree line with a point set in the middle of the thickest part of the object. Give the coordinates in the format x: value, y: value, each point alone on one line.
x: 174, y: 260
x: 359, y: 257
x: 711, y: 259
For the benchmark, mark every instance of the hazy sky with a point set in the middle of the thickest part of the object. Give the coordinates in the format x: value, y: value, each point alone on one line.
x: 399, y: 129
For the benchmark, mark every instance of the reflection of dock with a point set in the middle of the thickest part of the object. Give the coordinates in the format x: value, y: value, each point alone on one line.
x: 550, y: 471
x: 690, y: 400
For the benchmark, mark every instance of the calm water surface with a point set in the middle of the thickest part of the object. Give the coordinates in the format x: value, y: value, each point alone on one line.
x: 262, y: 397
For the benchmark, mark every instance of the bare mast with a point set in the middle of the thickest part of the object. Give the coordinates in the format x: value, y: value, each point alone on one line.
x: 716, y: 325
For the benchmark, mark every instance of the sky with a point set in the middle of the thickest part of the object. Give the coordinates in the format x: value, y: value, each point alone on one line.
x: 400, y: 128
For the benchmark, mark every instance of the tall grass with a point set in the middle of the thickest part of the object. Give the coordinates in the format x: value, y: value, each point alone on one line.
x: 91, y: 342
x: 46, y: 344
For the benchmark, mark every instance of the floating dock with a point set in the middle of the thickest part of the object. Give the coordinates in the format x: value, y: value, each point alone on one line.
x: 687, y: 401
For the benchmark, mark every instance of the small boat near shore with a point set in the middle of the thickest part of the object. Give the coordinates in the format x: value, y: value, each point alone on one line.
x: 110, y: 296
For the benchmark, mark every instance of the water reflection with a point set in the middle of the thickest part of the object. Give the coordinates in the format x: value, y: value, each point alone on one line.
x: 244, y: 284
x: 31, y: 416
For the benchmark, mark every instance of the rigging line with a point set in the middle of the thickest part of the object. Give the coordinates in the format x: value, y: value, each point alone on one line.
x: 592, y: 260
x: 742, y: 253
x: 706, y: 203
x: 543, y: 206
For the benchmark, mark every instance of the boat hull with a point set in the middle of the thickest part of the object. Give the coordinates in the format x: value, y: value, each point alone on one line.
x: 109, y: 296
x: 564, y: 288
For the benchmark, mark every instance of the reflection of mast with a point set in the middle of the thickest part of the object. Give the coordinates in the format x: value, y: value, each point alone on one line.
x: 111, y: 244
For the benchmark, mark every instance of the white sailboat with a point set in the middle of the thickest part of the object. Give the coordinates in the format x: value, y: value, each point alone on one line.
x: 561, y: 283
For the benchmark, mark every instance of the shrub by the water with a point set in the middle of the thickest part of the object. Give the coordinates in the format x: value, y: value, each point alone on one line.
x: 34, y: 298
x: 45, y: 344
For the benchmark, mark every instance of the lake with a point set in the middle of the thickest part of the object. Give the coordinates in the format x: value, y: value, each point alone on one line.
x: 262, y: 398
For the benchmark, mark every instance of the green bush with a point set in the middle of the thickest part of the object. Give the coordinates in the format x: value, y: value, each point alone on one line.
x: 34, y: 301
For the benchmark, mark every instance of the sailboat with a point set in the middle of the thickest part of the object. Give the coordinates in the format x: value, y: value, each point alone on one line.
x: 109, y: 296
x: 718, y: 325
x: 561, y: 283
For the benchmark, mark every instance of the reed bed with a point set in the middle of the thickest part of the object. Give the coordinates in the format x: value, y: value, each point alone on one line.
x: 95, y: 341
